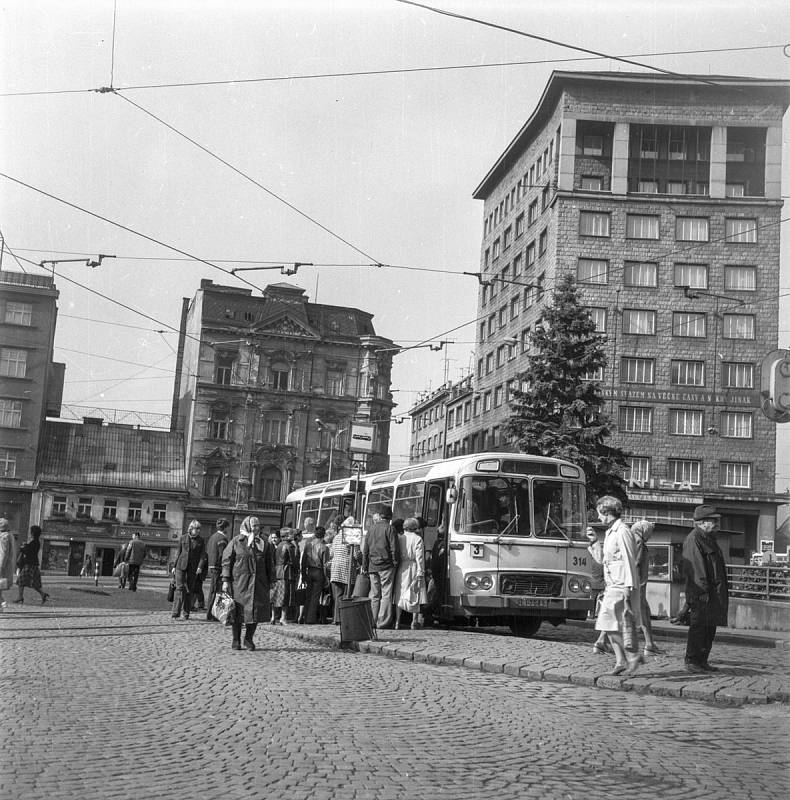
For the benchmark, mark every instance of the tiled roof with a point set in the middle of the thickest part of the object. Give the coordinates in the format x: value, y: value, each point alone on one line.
x: 113, y: 456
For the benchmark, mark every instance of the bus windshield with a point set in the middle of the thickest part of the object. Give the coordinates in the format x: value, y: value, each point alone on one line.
x: 547, y: 509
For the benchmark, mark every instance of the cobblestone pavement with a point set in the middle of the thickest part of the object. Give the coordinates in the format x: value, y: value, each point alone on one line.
x: 104, y: 702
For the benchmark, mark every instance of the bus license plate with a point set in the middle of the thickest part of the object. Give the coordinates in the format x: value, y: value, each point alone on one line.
x: 530, y: 602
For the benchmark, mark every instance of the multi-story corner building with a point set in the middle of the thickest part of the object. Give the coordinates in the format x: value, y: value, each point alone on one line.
x: 98, y: 484
x: 661, y: 195
x: 267, y: 390
x: 31, y: 386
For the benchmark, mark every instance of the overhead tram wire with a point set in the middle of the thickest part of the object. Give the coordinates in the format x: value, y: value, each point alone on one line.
x: 395, y: 71
x: 127, y: 229
x: 245, y: 176
x: 547, y: 40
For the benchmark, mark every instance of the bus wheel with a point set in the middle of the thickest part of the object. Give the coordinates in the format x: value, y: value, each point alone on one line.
x: 525, y: 626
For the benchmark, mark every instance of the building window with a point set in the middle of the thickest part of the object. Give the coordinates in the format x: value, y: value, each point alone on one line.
x: 684, y: 470
x: 135, y: 513
x: 334, y: 382
x: 592, y: 145
x: 736, y: 424
x: 279, y: 376
x: 642, y: 274
x: 499, y: 392
x: 495, y: 249
x: 467, y: 411
x: 737, y: 375
x: 639, y: 322
x: 738, y: 326
x: 734, y: 190
x: 503, y: 316
x: 592, y: 270
x: 218, y: 425
x: 592, y: 183
x: 489, y: 363
x: 695, y: 276
x: 685, y: 423
x: 517, y: 262
x: 479, y: 367
x: 636, y: 419
x: 543, y: 241
x: 641, y: 226
x: 270, y: 485
x: 500, y: 355
x: 482, y: 331
x: 492, y: 325
x: 224, y: 368
x: 84, y: 507
x: 598, y: 316
x: 507, y: 236
x: 487, y: 401
x: 740, y: 279
x: 451, y: 418
x: 59, y: 504
x: 13, y: 363
x: 18, y: 313
x: 476, y: 406
x: 740, y: 231
x: 692, y: 229
x: 212, y: 482
x: 110, y: 509
x: 677, y: 187
x: 544, y: 199
x: 637, y: 370
x: 647, y: 187
x: 515, y: 307
x: 159, y: 515
x: 689, y: 323
x: 10, y: 413
x: 593, y: 223
x: 593, y: 375
x: 687, y: 373
x: 276, y: 430
x: 638, y: 469
x: 530, y: 253
x: 7, y: 463
x: 520, y: 226
x: 525, y: 340
x: 532, y: 212
x: 735, y: 475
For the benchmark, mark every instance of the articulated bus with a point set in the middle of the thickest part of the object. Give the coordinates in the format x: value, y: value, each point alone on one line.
x: 515, y: 551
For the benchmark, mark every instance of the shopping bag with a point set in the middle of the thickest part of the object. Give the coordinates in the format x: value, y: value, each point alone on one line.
x: 224, y: 608
x: 171, y: 590
x: 325, y: 599
x: 118, y: 571
x: 361, y: 586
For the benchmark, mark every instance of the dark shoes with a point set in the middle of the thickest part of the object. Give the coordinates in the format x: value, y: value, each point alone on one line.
x: 235, y: 645
x: 44, y: 598
x: 695, y: 669
x: 248, y: 644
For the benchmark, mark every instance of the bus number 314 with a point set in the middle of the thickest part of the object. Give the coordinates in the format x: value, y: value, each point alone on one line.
x: 580, y: 561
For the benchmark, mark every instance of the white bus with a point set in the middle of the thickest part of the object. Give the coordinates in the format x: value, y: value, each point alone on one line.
x: 515, y: 550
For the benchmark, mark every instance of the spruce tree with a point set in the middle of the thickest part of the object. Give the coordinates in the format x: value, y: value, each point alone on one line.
x: 555, y: 412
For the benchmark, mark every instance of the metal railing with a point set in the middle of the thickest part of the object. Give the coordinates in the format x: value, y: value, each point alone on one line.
x: 759, y: 583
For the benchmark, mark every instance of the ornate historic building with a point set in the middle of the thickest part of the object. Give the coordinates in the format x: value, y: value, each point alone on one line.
x: 266, y: 391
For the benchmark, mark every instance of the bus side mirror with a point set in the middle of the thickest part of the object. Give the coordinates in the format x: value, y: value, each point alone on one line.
x: 451, y: 496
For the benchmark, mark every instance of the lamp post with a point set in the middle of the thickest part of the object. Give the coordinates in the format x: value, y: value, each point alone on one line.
x: 333, y: 436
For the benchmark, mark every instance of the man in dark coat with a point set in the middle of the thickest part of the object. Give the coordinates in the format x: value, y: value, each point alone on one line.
x: 215, y: 546
x: 706, y: 587
x: 380, y: 557
x: 135, y: 555
x: 188, y: 569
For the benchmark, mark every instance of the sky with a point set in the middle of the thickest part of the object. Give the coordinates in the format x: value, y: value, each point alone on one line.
x: 386, y: 162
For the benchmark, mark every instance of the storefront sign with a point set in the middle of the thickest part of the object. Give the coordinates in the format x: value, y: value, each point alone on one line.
x: 78, y: 528
x: 698, y: 397
x: 675, y: 486
x: 653, y: 497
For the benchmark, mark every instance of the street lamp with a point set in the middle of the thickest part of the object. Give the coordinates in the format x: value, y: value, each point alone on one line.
x: 333, y: 437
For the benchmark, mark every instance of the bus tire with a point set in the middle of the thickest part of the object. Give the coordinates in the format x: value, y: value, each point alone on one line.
x: 525, y: 626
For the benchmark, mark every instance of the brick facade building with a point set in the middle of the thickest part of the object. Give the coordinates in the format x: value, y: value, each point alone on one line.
x: 662, y: 196
x: 254, y: 375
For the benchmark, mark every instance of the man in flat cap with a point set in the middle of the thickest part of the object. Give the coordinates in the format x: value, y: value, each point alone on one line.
x: 706, y: 587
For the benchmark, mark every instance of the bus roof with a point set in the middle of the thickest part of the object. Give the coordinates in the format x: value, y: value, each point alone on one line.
x: 425, y: 470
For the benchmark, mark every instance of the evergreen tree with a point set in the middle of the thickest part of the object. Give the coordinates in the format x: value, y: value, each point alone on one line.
x: 555, y: 412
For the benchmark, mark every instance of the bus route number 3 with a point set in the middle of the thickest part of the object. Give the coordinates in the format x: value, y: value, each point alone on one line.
x: 580, y: 561
x: 477, y: 550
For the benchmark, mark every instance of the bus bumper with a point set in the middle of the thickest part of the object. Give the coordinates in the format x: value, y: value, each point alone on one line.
x: 569, y: 607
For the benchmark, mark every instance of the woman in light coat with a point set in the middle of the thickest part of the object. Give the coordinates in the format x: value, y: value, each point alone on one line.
x: 8, y: 554
x: 410, y: 592
x: 247, y: 574
x: 619, y: 612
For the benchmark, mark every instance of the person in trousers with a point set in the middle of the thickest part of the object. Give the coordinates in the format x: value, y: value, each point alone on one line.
x: 215, y: 547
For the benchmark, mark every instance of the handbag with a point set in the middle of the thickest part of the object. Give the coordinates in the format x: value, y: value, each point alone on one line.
x: 361, y: 586
x: 224, y: 608
x: 171, y: 590
x: 325, y: 599
x: 118, y: 571
x: 300, y: 596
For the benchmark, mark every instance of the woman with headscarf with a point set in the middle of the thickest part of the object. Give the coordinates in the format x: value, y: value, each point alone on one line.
x: 247, y: 574
x: 410, y: 591
x: 619, y: 612
x: 189, y: 564
x: 29, y: 572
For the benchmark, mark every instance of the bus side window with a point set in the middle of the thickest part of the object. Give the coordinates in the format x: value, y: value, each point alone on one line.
x: 433, y: 504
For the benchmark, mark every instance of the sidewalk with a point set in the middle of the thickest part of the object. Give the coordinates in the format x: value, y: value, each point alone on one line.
x: 749, y: 673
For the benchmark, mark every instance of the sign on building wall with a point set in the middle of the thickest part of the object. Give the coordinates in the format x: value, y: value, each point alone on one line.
x: 361, y: 438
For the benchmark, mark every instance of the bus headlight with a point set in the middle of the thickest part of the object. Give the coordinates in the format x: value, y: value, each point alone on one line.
x: 586, y: 586
x: 478, y: 581
x: 574, y: 585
